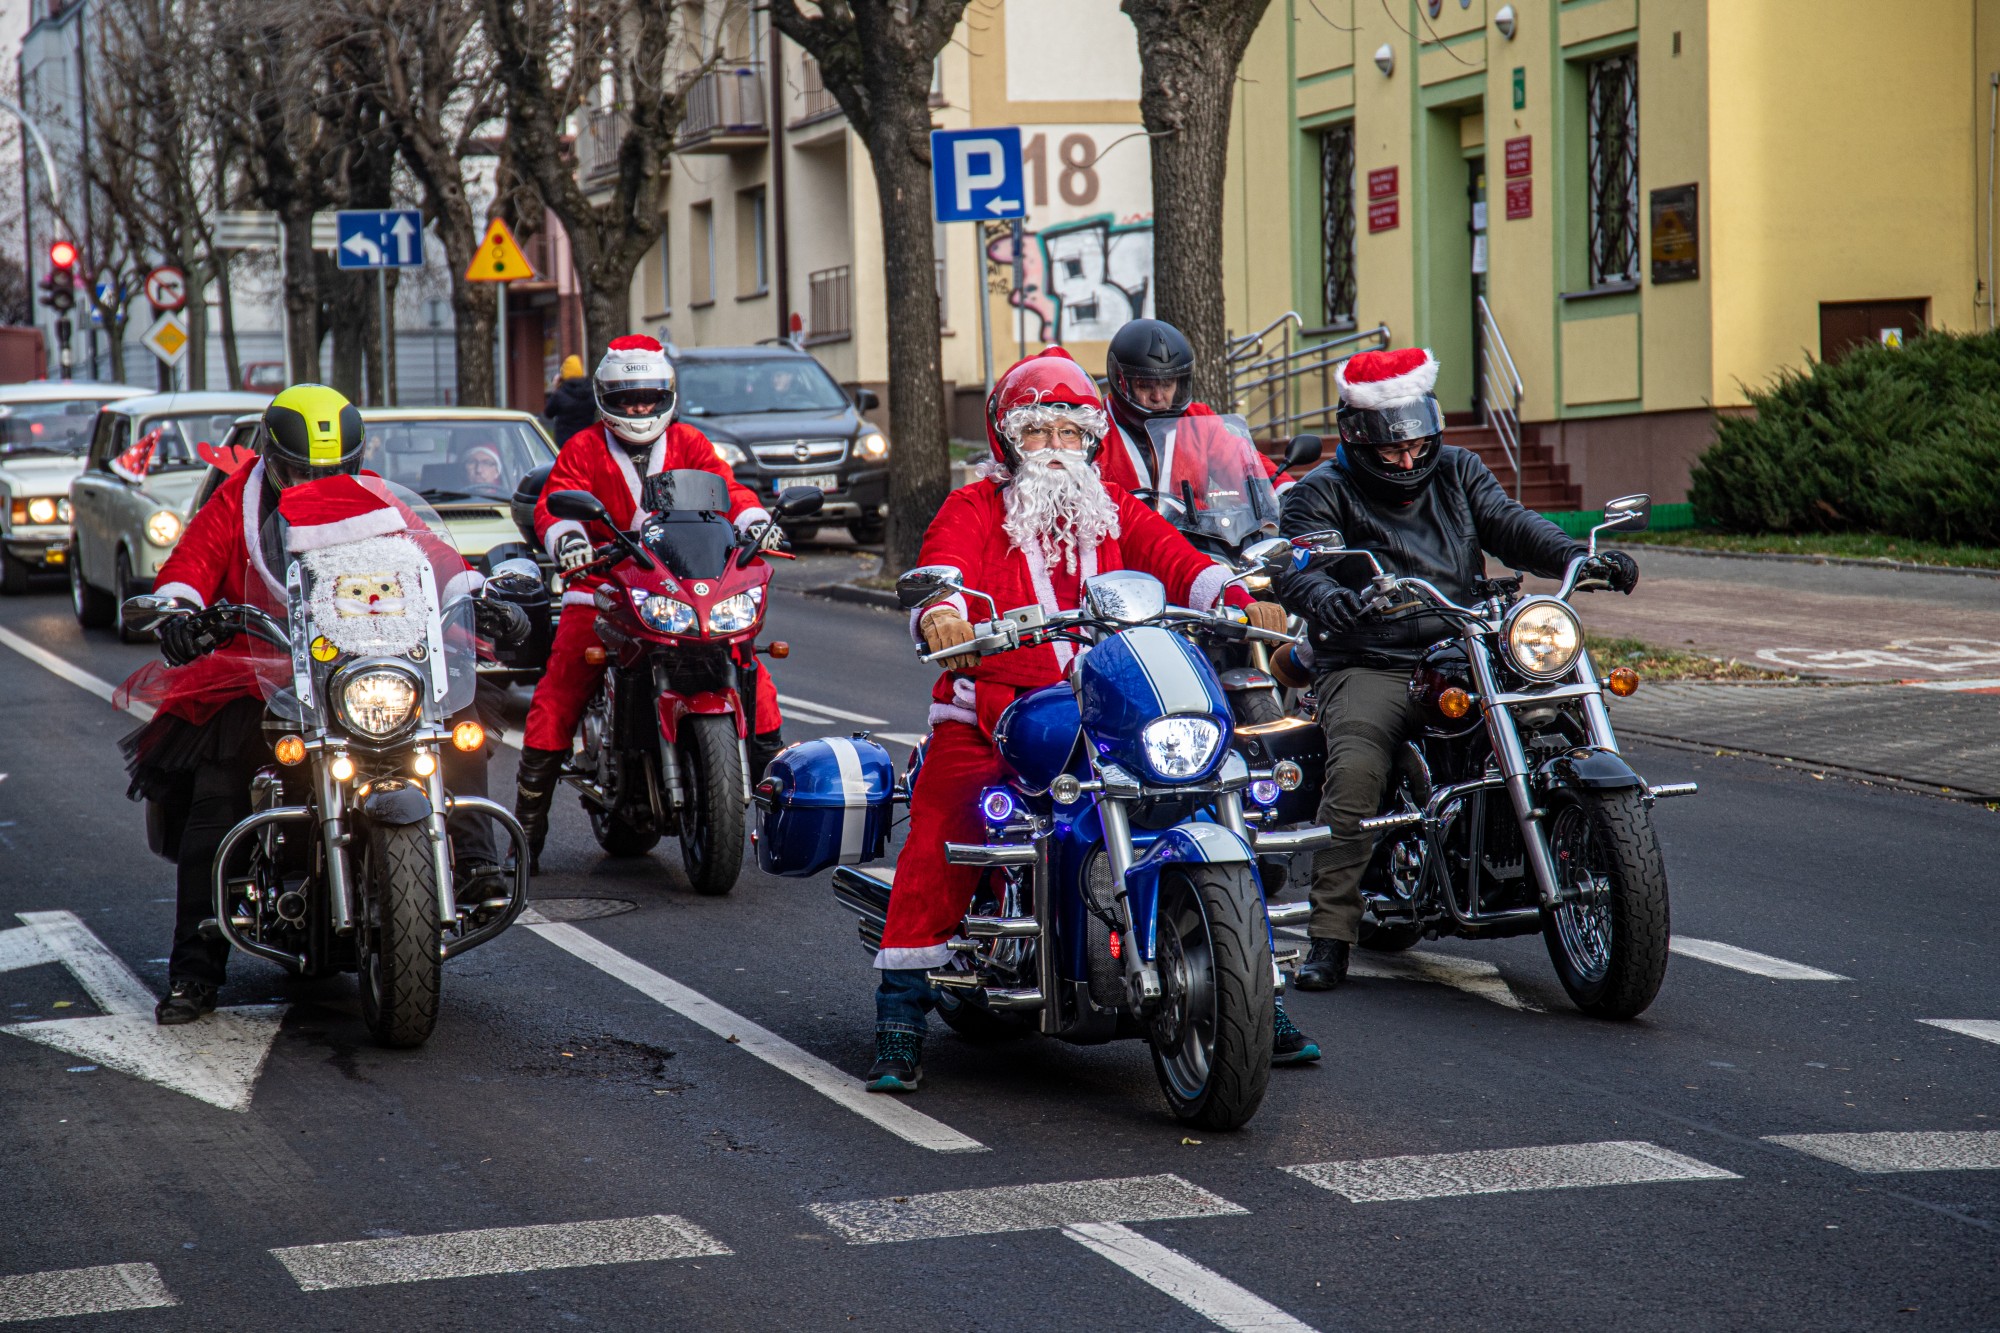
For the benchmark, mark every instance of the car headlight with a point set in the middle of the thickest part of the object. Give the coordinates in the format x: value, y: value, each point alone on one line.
x: 62, y: 511
x: 163, y: 528
x: 734, y: 613
x: 42, y: 509
x: 1543, y: 639
x: 665, y: 614
x: 1179, y: 748
x: 377, y: 704
x: 874, y: 446
x: 731, y: 454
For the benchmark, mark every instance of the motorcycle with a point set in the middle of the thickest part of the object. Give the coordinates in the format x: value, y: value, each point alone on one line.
x: 665, y: 738
x: 1515, y: 812
x: 1121, y: 898
x: 349, y: 863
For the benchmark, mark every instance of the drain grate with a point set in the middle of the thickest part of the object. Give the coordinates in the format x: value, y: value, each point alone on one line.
x: 581, y: 909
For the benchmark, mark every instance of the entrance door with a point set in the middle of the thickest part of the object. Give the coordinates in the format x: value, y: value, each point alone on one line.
x: 1475, y: 189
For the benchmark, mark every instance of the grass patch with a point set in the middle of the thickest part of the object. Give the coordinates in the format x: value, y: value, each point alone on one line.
x: 1852, y: 545
x: 1655, y: 663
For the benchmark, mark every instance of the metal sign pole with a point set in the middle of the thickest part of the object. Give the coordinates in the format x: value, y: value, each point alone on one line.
x: 382, y: 302
x: 1020, y: 297
x: 285, y: 295
x: 501, y: 329
x: 985, y: 302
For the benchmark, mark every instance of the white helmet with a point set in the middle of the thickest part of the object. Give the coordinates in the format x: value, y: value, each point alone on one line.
x: 634, y: 386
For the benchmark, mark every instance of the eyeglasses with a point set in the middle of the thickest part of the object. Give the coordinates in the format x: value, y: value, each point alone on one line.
x: 1400, y: 455
x: 1063, y: 437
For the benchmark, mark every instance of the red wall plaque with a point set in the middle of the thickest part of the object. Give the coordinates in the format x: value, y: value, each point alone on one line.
x: 1384, y: 215
x: 1520, y: 199
x: 1382, y: 183
x: 1520, y: 156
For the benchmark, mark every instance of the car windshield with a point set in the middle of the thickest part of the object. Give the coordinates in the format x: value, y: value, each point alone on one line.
x: 448, y: 461
x: 182, y: 436
x: 757, y: 384
x: 59, y: 427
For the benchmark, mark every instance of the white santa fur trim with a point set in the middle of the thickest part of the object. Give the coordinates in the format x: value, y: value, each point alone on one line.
x: 1374, y: 395
x: 1206, y: 590
x: 624, y: 462
x: 931, y: 955
x: 253, y: 520
x: 579, y: 597
x: 558, y: 530
x: 182, y: 591
x: 374, y: 523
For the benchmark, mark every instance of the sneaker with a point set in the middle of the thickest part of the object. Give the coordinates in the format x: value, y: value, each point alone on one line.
x: 898, y: 1063
x: 1289, y: 1046
x: 1325, y: 967
x: 186, y: 1001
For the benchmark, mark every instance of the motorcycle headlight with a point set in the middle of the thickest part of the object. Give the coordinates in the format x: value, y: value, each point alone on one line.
x: 734, y: 613
x: 163, y: 528
x: 874, y: 446
x: 1180, y: 748
x: 731, y: 454
x: 665, y: 614
x: 42, y: 509
x: 378, y: 703
x: 1543, y: 639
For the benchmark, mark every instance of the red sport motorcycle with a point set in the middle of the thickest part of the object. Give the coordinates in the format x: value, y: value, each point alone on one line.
x: 666, y: 737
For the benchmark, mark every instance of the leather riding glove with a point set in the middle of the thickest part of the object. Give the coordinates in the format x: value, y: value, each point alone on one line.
x: 944, y: 628
x: 574, y: 551
x: 1621, y: 571
x: 1267, y: 616
x: 184, y: 639
x: 501, y: 621
x: 1336, y: 607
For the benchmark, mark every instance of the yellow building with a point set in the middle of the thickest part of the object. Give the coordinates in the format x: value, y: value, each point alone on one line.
x: 1660, y: 201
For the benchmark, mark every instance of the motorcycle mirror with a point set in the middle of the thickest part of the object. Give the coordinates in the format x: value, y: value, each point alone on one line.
x: 578, y: 507
x: 1304, y: 451
x: 927, y: 584
x: 1629, y: 513
x: 1272, y: 556
x: 1327, y: 541
x: 798, y: 501
x: 513, y: 584
x: 149, y: 610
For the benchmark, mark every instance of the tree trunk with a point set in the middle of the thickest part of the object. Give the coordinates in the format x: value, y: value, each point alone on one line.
x: 473, y: 311
x: 607, y: 313
x: 195, y: 365
x: 232, y: 361
x: 302, y: 296
x: 919, y: 462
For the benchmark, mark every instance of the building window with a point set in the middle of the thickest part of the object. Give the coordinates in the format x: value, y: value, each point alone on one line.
x: 1612, y: 94
x: 750, y: 276
x: 701, y: 254
x: 1336, y: 225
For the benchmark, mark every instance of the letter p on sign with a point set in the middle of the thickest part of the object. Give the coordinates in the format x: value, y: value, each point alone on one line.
x: 992, y: 172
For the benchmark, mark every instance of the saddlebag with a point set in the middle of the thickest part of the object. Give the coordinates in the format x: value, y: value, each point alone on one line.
x: 824, y: 803
x: 1300, y: 741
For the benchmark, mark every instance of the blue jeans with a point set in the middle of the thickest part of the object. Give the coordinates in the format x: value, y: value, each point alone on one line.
x: 902, y: 999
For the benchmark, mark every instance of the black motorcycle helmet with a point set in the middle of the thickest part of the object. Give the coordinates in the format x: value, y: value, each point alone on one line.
x: 1149, y: 349
x: 311, y: 431
x: 1386, y: 400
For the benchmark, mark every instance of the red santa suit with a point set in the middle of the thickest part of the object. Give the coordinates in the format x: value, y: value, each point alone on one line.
x: 590, y: 461
x: 1193, y: 453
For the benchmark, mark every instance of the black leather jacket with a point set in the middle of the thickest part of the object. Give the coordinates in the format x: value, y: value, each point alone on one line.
x: 1440, y: 536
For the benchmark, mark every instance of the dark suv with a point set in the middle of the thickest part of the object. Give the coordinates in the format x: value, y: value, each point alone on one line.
x: 780, y: 420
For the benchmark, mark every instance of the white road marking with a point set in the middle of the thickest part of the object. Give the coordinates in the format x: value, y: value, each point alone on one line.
x: 1981, y: 1029
x: 1003, y: 1208
x: 1504, y: 1171
x: 77, y: 1291
x: 1203, y: 1290
x: 1474, y: 976
x: 1747, y: 960
x: 374, y: 1263
x: 828, y: 710
x: 216, y: 1060
x: 828, y: 1080
x: 75, y: 675
x: 1880, y: 1154
x: 1987, y: 685
x: 899, y: 738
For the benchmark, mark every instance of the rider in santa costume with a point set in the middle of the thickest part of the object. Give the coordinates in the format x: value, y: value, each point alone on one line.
x: 635, y: 437
x: 1036, y: 525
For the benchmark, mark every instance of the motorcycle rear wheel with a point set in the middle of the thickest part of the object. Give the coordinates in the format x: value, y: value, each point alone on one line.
x: 619, y: 836
x: 1211, y: 1037
x: 399, y: 950
x: 1610, y: 950
x: 712, y: 829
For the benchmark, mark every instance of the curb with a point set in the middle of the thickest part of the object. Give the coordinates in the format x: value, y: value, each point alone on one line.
x: 1863, y: 562
x: 849, y: 592
x: 1869, y: 777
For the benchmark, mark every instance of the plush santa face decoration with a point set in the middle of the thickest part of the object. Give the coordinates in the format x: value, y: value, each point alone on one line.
x: 1045, y: 422
x: 364, y: 575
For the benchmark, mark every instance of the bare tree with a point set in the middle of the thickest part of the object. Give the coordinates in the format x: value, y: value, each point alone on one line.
x: 1189, y: 51
x: 876, y: 58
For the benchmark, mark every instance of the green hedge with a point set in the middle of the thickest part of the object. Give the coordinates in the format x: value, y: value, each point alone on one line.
x: 1894, y: 440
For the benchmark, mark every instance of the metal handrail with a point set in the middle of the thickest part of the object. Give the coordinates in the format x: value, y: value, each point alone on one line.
x: 1265, y: 388
x: 1500, y: 389
x: 1239, y: 346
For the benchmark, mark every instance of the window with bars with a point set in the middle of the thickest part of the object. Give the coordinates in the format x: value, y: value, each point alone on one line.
x: 1336, y: 232
x: 1612, y: 102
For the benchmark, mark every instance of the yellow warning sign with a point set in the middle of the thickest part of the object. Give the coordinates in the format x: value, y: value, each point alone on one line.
x: 499, y: 259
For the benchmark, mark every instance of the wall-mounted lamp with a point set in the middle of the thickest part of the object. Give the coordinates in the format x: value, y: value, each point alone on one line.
x: 1385, y: 59
x: 1504, y: 21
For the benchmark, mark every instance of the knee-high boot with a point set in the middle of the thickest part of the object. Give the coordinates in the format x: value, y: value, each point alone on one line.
x: 535, y: 788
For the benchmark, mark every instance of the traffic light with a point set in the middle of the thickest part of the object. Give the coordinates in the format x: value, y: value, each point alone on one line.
x: 59, y: 287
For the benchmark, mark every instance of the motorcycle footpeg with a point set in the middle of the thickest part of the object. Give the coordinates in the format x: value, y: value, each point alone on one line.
x: 951, y: 980
x: 210, y: 929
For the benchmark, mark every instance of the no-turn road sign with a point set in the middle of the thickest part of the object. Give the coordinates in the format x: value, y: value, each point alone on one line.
x: 166, y: 288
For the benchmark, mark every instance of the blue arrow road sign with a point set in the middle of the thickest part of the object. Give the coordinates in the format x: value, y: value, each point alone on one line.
x: 977, y: 174
x: 392, y: 239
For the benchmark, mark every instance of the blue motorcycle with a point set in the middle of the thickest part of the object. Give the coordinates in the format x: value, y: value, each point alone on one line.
x: 1121, y: 898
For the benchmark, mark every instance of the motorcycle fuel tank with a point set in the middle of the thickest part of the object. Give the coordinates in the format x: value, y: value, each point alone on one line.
x: 1036, y: 735
x: 824, y: 803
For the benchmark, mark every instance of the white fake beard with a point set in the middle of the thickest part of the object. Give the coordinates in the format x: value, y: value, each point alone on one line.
x: 1060, y: 509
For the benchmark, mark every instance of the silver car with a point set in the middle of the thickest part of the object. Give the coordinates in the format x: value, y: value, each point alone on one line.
x: 44, y: 428
x: 131, y: 505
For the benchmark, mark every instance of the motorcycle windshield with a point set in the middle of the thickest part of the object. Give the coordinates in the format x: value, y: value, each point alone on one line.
x: 1214, y: 482
x: 377, y: 590
x: 687, y: 524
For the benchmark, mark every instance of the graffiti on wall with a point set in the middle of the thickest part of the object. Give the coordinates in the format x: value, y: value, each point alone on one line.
x: 1080, y: 279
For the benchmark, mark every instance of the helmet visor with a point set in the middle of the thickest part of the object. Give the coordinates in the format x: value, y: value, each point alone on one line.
x: 637, y: 399
x: 1153, y: 395
x: 1399, y: 426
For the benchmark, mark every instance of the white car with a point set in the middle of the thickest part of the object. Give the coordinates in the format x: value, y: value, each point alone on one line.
x: 44, y: 428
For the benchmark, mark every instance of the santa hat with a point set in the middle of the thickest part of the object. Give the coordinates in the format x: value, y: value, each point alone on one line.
x: 1372, y: 381
x: 337, y: 509
x: 481, y: 453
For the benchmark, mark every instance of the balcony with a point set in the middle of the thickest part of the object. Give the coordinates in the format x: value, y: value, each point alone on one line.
x: 815, y: 102
x: 597, y: 145
x: 830, y: 306
x: 725, y: 112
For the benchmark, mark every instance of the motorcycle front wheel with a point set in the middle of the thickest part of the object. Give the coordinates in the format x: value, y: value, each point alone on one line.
x: 399, y: 946
x: 712, y: 830
x: 1211, y: 1037
x: 1608, y: 938
x: 619, y: 836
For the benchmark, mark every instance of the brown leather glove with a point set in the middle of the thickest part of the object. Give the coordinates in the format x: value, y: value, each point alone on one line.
x: 943, y: 627
x: 1267, y: 616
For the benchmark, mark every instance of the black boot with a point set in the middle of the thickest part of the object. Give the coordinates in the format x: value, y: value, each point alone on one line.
x: 1325, y: 967
x: 535, y: 787
x: 764, y: 747
x: 186, y: 1001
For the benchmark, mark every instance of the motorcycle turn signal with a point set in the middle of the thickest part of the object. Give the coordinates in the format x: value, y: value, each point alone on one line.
x: 1454, y: 703
x: 777, y: 648
x: 290, y: 750
x: 468, y: 736
x: 1623, y: 682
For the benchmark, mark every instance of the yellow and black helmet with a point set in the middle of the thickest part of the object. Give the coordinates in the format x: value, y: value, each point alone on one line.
x: 312, y: 431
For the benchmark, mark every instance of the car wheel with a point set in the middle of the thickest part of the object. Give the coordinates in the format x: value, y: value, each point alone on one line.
x: 121, y: 588
x: 93, y: 607
x: 867, y: 531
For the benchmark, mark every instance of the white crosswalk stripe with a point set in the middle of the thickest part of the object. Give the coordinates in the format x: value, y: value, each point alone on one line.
x: 80, y: 1291
x: 1747, y: 960
x: 985, y: 1212
x: 828, y: 710
x: 1504, y: 1171
x: 1203, y: 1290
x: 374, y: 1263
x: 1982, y: 1029
x: 1883, y: 1153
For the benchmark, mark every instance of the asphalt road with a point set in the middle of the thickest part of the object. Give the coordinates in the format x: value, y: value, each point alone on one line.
x: 629, y: 1166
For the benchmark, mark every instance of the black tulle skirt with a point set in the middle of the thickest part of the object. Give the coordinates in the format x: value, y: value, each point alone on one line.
x: 162, y: 755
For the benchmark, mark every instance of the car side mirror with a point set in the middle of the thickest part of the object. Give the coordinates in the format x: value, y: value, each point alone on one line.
x: 867, y: 399
x: 578, y: 507
x: 149, y: 610
x: 928, y: 584
x: 799, y: 501
x: 1304, y: 451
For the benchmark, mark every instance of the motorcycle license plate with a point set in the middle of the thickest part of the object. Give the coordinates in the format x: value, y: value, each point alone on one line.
x: 826, y: 481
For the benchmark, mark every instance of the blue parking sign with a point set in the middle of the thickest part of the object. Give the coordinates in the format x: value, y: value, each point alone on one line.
x: 391, y: 238
x: 977, y: 174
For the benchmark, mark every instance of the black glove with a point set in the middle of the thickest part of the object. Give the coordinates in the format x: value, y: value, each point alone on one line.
x: 183, y: 639
x: 1618, y: 569
x: 1335, y: 607
x: 501, y: 621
